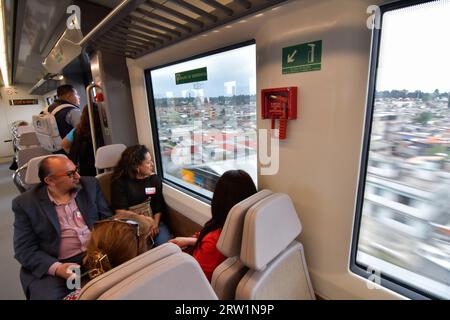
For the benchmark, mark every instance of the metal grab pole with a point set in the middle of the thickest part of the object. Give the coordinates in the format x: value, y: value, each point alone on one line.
x: 91, y: 118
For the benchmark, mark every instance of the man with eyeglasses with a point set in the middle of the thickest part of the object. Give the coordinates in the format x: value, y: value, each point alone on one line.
x: 52, y: 227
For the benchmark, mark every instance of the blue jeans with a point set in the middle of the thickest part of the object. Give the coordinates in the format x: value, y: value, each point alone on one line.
x: 163, y: 235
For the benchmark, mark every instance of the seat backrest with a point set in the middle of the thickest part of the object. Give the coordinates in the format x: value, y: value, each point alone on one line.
x: 104, y: 180
x: 99, y: 285
x: 228, y: 274
x: 24, y: 129
x: 177, y: 277
x: 28, y: 139
x: 284, y: 278
x: 229, y: 243
x: 32, y: 174
x: 277, y: 264
x: 107, y: 157
x: 25, y: 155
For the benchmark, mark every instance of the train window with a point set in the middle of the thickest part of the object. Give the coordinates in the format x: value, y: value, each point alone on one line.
x: 204, y: 117
x: 402, y: 227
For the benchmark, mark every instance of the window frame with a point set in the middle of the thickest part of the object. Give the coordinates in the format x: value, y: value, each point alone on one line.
x: 154, y: 124
x: 359, y: 269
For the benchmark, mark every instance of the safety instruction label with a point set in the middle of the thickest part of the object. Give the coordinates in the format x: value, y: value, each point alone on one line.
x: 304, y: 57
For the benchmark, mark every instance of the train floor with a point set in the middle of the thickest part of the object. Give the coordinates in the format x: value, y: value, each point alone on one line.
x: 10, y: 287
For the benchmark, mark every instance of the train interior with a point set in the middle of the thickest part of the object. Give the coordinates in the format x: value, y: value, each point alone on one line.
x: 338, y: 109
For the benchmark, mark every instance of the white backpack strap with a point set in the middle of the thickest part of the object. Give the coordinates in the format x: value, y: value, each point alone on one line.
x: 45, y: 110
x: 59, y: 108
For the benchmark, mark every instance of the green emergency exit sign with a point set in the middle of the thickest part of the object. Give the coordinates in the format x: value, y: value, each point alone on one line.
x: 189, y: 76
x: 304, y: 57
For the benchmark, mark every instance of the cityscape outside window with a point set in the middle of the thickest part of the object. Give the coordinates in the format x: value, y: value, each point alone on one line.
x: 405, y: 219
x: 206, y: 118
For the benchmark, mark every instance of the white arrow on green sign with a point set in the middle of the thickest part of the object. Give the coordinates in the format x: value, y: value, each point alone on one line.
x: 302, y: 57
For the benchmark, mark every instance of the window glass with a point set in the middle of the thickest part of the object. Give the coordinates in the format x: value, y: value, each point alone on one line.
x: 407, y: 238
x: 205, y: 111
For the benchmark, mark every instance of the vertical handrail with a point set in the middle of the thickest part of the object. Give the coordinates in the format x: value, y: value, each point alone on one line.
x: 91, y: 118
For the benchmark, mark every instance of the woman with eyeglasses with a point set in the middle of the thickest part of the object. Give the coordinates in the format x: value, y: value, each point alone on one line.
x: 114, y: 241
x: 232, y: 187
x: 137, y: 189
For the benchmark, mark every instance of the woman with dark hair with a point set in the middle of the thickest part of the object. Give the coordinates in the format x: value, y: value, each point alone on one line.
x: 78, y: 142
x: 232, y: 187
x: 137, y: 189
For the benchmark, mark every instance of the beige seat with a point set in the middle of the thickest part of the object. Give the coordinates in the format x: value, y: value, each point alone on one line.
x: 23, y: 156
x: 228, y: 274
x: 107, y: 158
x: 99, y: 285
x: 32, y: 174
x: 277, y: 263
x: 27, y: 140
x: 26, y: 176
x: 176, y: 277
x: 24, y: 129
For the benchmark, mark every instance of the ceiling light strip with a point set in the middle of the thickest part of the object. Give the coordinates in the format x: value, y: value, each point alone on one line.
x: 3, y: 54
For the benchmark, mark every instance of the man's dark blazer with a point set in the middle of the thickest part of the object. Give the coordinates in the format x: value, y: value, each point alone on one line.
x: 37, y: 234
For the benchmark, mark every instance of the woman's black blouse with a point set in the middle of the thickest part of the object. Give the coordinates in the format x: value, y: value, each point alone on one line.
x: 126, y: 193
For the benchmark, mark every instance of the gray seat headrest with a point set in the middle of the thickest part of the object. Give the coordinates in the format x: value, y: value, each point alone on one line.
x: 229, y: 243
x: 270, y: 226
x: 108, y: 156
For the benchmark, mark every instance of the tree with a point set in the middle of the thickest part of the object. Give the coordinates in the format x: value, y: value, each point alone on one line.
x: 438, y: 148
x: 427, y: 97
x: 424, y: 118
x: 436, y: 93
x: 448, y: 100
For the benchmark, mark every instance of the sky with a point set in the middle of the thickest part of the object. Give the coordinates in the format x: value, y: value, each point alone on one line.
x: 234, y: 68
x: 415, y: 48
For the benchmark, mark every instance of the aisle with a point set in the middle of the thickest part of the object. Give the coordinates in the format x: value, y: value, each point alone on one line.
x: 10, y: 287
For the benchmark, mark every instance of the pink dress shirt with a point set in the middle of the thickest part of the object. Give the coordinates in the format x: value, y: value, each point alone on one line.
x: 74, y: 232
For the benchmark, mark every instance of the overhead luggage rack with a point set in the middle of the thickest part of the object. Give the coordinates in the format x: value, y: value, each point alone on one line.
x: 139, y: 27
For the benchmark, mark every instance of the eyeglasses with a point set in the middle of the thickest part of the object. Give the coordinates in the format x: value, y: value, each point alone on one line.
x: 69, y: 174
x: 150, y: 241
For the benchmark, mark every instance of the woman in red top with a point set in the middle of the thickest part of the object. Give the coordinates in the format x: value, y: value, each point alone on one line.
x: 232, y: 187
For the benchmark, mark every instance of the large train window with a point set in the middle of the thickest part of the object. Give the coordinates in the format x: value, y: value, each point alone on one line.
x: 204, y: 117
x: 402, y: 224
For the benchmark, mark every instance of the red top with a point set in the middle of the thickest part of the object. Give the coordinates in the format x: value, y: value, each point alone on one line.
x: 207, y: 254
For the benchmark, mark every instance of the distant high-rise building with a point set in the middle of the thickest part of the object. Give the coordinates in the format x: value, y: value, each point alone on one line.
x: 230, y: 88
